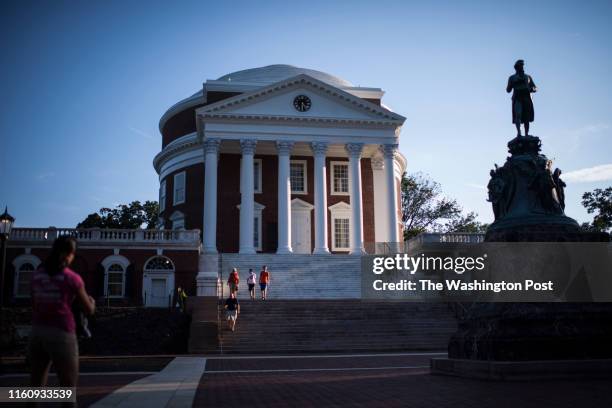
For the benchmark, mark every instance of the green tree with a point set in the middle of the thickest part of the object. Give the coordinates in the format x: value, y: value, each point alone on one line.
x: 425, y: 209
x: 131, y: 216
x: 598, y: 201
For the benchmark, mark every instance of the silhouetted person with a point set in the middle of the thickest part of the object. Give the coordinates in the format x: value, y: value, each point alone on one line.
x: 53, y: 339
x: 522, y: 86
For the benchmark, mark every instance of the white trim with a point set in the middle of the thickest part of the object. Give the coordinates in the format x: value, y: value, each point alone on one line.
x: 175, y: 189
x: 18, y: 262
x: 107, y: 263
x: 304, y: 164
x: 378, y: 114
x: 150, y: 274
x: 339, y: 210
x: 332, y: 172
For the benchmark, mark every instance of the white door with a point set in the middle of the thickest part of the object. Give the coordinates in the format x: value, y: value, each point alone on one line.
x: 300, y: 232
x: 159, y: 294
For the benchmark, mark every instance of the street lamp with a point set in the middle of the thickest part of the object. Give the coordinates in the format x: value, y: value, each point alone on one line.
x: 6, y: 224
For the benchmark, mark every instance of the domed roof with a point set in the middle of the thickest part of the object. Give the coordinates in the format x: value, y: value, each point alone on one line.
x: 274, y: 73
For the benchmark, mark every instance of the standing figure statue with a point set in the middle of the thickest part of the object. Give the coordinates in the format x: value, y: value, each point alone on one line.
x: 560, y: 187
x: 522, y: 107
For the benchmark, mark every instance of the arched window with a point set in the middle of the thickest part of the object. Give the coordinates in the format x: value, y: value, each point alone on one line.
x: 159, y: 263
x: 25, y: 265
x: 115, y: 267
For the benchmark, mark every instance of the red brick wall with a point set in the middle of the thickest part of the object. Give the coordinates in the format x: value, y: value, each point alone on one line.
x: 88, y: 261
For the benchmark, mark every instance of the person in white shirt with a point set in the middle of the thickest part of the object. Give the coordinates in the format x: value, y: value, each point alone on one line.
x: 251, y: 280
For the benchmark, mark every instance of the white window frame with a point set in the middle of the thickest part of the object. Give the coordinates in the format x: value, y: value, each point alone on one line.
x: 17, y: 264
x: 305, y: 167
x: 106, y: 264
x: 332, y: 173
x: 340, y: 210
x: 178, y: 220
x: 162, y: 195
x: 176, y: 188
x: 257, y: 176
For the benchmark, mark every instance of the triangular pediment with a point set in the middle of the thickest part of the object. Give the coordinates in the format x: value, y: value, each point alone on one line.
x: 276, y: 101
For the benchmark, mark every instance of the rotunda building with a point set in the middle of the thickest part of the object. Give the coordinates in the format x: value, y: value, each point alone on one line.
x: 282, y: 159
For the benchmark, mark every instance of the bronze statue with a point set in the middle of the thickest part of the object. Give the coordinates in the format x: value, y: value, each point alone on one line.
x: 522, y: 86
x: 559, y: 187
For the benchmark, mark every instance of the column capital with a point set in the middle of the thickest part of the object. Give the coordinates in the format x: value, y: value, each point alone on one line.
x: 354, y: 149
x: 319, y: 148
x: 248, y: 146
x: 212, y: 145
x: 388, y: 150
x: 284, y: 147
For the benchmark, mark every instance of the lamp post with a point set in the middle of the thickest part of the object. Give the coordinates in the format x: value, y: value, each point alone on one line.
x: 6, y: 224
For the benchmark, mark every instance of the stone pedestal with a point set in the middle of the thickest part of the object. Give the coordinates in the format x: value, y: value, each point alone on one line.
x: 528, y: 202
x: 207, y: 280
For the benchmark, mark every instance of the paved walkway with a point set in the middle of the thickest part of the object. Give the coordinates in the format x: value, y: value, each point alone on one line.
x: 400, y: 380
x: 174, y: 386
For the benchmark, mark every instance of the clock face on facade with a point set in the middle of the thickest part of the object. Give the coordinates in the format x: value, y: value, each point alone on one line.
x: 301, y: 103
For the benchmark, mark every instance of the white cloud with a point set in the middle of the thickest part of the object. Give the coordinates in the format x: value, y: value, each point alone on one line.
x: 476, y: 186
x: 45, y: 175
x: 140, y: 132
x: 590, y: 174
x: 592, y: 128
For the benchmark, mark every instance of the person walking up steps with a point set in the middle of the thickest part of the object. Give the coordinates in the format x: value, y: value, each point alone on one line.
x: 232, y: 308
x: 53, y: 340
x: 233, y: 281
x: 252, y: 279
x: 264, y: 281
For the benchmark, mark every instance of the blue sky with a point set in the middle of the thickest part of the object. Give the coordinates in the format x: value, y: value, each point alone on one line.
x: 85, y: 83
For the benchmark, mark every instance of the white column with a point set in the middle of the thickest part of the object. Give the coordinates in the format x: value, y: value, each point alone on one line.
x: 389, y: 154
x: 354, y: 153
x: 320, y: 196
x: 284, y: 198
x: 211, y: 152
x: 247, y: 197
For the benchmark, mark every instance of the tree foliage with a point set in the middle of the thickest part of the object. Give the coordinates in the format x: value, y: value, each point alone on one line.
x: 598, y: 201
x: 129, y: 216
x: 425, y: 209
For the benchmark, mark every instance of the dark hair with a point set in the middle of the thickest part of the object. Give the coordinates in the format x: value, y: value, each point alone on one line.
x: 63, y: 246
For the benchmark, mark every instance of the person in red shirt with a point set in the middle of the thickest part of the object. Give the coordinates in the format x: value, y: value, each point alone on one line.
x: 53, y: 339
x: 264, y: 281
x: 233, y: 281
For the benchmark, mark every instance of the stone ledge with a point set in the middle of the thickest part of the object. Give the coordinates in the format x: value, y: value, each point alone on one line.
x: 522, y: 370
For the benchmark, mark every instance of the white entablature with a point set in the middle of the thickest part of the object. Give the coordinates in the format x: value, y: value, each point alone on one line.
x: 268, y: 114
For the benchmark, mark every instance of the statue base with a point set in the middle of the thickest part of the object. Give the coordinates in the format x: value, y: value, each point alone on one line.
x: 528, y: 202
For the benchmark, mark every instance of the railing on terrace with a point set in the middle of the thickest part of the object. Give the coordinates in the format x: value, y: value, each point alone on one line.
x: 106, y: 235
x: 444, y: 238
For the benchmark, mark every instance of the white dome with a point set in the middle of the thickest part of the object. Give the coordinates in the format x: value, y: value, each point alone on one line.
x: 274, y: 73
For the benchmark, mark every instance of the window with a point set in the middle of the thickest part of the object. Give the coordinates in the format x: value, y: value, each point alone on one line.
x: 341, y: 233
x: 24, y: 277
x: 162, y: 196
x: 179, y: 188
x: 257, y: 175
x: 178, y: 220
x: 159, y: 263
x: 341, y: 226
x: 256, y: 226
x: 115, y: 281
x: 24, y: 265
x: 340, y: 178
x: 297, y: 174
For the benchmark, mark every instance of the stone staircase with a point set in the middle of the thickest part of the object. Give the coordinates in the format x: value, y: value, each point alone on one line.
x: 295, y: 326
x: 299, y: 276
